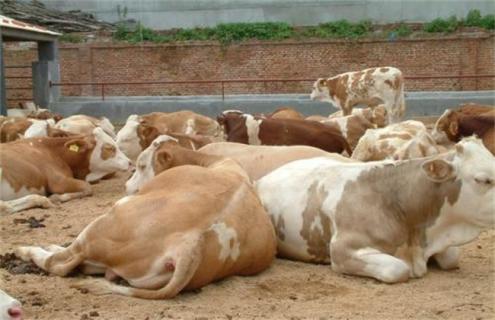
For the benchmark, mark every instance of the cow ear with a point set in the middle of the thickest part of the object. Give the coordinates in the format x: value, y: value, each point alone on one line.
x: 164, y: 159
x: 77, y: 145
x: 146, y: 131
x: 438, y: 170
x: 322, y: 82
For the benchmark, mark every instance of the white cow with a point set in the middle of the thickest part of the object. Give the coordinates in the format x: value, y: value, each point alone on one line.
x: 382, y: 219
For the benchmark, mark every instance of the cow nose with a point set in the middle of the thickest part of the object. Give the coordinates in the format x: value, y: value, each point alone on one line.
x: 15, y: 313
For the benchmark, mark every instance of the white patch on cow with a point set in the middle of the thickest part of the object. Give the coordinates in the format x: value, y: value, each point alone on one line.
x: 144, y: 165
x: 38, y: 128
x: 98, y: 167
x: 190, y: 127
x: 342, y: 123
x: 127, y: 138
x: 10, y: 308
x: 107, y: 126
x: 381, y: 266
x: 439, y: 135
x: 227, y: 238
x: 232, y: 111
x: 253, y: 129
x: 7, y: 192
x: 284, y: 193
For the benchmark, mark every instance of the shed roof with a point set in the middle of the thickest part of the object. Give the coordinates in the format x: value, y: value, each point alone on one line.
x: 16, y: 30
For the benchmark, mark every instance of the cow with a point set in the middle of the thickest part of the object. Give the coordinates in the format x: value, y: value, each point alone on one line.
x: 83, y: 124
x: 354, y: 126
x: 399, y: 141
x: 10, y: 308
x: 257, y: 161
x: 140, y: 131
x: 187, y: 227
x: 285, y: 113
x: 62, y: 168
x: 465, y: 121
x: 245, y: 128
x: 372, y: 87
x: 382, y: 219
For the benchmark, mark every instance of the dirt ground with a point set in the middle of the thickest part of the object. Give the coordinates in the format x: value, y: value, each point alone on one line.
x: 288, y: 290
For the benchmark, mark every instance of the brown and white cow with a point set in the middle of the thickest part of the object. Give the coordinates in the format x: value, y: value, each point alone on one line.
x: 372, y: 87
x: 14, y: 128
x: 354, y: 126
x: 382, y: 219
x: 189, y: 226
x: 404, y: 140
x: 469, y: 119
x: 245, y: 128
x: 83, y: 124
x: 31, y: 169
x: 257, y: 161
x: 140, y: 131
x: 10, y: 308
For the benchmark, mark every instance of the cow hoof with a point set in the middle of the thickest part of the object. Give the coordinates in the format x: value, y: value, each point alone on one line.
x: 54, y: 200
x: 5, y: 208
x: 23, y: 253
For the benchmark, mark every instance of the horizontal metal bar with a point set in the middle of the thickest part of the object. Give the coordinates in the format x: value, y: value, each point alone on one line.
x: 20, y: 99
x: 16, y: 67
x: 19, y: 88
x: 248, y: 80
x: 18, y: 77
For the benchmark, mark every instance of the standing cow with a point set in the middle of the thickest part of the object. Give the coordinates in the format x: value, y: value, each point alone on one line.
x: 372, y: 87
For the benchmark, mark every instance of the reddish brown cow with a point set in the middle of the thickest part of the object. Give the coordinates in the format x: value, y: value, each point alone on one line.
x: 245, y: 128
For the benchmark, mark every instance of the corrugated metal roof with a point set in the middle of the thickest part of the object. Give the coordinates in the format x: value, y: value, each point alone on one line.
x: 16, y: 24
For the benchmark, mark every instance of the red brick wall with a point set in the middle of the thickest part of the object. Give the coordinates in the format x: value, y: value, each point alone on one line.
x: 107, y: 62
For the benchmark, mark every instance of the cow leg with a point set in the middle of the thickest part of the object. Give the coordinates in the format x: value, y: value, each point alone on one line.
x: 24, y: 203
x: 66, y: 189
x: 60, y: 263
x: 369, y: 262
x: 87, y: 267
x: 187, y: 255
x: 449, y: 258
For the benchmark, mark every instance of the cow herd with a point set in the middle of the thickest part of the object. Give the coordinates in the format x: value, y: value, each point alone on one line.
x: 209, y: 198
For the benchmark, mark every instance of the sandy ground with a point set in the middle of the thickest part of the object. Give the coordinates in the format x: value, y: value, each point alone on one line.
x: 288, y: 290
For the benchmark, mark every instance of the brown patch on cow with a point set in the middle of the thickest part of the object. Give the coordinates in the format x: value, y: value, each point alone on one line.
x: 279, y: 226
x: 317, y: 239
x: 384, y: 69
x: 332, y: 84
x: 108, y: 151
x: 341, y: 89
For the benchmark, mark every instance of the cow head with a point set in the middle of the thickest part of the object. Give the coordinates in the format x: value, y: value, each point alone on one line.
x: 10, y: 308
x: 105, y: 156
x: 321, y: 91
x: 446, y: 128
x: 472, y: 168
x: 150, y: 162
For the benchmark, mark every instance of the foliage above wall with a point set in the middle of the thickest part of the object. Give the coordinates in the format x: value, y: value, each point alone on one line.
x: 235, y: 32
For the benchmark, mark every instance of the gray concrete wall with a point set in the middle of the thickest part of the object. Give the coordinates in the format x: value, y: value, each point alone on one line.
x: 166, y: 14
x: 117, y: 109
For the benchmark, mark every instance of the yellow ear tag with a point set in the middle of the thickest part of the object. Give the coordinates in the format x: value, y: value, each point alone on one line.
x: 74, y: 148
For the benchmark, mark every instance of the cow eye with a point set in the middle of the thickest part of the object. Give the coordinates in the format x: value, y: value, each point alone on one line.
x: 485, y: 181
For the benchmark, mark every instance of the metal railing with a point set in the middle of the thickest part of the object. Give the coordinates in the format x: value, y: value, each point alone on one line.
x: 223, y: 82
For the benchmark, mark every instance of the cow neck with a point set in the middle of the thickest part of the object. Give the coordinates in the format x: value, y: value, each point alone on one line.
x: 474, y: 125
x: 413, y: 199
x: 78, y: 162
x: 186, y: 156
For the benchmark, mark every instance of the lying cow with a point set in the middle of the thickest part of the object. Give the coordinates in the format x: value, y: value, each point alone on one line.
x: 465, y: 121
x: 382, y: 219
x: 186, y: 228
x: 10, y: 308
x: 59, y: 167
x: 140, y: 131
x: 285, y: 113
x: 83, y: 124
x: 372, y: 87
x: 257, y: 161
x: 354, y: 126
x: 245, y: 128
x: 399, y: 141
